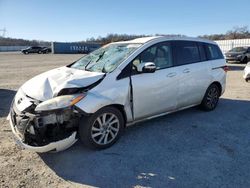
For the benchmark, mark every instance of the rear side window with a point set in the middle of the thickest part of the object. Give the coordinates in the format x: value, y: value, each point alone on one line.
x: 186, y: 52
x: 213, y: 52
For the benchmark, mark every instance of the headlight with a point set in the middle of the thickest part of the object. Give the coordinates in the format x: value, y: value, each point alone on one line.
x: 59, y: 102
x: 239, y: 56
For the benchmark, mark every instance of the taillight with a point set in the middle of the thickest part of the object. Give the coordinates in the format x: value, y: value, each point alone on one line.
x: 225, y: 68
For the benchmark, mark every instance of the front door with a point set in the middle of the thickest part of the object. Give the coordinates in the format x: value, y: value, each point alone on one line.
x: 155, y: 93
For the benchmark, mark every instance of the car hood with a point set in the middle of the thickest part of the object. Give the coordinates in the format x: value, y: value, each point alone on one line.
x: 48, y: 84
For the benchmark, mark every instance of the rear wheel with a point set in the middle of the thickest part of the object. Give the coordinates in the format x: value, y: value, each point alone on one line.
x: 102, y: 129
x: 211, y: 98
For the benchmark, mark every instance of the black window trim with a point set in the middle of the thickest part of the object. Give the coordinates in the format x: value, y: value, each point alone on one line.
x: 124, y: 73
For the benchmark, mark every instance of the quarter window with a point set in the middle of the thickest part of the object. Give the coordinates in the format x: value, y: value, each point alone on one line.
x: 213, y: 52
x: 186, y: 52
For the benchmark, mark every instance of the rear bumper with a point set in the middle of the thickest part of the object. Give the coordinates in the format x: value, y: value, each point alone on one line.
x: 53, y: 146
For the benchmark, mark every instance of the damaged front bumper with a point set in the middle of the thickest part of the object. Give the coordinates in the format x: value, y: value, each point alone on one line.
x: 54, y: 146
x: 55, y: 131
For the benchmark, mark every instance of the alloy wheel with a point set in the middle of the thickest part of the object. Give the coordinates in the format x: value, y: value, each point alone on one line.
x: 105, y: 128
x: 212, y: 97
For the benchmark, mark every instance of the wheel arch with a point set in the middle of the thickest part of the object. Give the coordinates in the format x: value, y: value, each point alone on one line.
x: 121, y: 109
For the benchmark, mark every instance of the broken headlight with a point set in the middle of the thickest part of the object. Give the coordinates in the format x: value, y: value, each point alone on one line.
x: 59, y: 102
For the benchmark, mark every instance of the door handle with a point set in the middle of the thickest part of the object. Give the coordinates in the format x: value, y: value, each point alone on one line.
x: 172, y: 74
x: 186, y: 71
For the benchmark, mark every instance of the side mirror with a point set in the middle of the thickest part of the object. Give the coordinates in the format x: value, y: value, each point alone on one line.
x: 148, y: 67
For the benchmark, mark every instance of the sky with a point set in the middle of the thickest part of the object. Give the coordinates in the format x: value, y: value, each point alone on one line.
x: 76, y: 20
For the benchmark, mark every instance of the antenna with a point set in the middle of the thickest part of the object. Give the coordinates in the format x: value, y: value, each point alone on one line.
x: 3, y: 32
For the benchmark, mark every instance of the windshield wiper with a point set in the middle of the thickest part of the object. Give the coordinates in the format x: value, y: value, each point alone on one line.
x: 100, y: 56
x: 103, y: 69
x: 85, y: 68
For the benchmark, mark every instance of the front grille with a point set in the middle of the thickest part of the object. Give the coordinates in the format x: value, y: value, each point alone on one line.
x: 231, y: 58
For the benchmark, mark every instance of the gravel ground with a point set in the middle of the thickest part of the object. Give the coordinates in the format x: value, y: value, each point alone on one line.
x: 190, y: 148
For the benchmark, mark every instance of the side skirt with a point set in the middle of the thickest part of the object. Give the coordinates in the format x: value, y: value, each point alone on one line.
x: 159, y: 115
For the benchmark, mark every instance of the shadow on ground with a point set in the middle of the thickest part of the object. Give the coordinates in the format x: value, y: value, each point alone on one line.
x: 190, y: 148
x: 6, y: 97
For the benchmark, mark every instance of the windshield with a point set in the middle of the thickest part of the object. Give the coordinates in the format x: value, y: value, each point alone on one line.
x: 238, y: 49
x: 105, y: 59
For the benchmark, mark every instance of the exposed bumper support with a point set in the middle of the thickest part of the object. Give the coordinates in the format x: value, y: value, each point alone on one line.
x: 54, y: 146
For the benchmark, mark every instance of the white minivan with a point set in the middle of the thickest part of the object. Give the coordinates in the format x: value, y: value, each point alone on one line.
x: 120, y: 84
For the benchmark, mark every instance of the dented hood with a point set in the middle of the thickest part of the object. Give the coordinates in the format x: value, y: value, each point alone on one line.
x: 47, y: 85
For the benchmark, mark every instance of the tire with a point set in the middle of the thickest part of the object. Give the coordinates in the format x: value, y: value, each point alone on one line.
x: 211, y: 98
x: 94, y: 134
x: 244, y: 60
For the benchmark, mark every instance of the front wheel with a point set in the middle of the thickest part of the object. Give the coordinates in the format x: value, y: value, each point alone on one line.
x: 245, y: 60
x: 102, y: 129
x: 211, y: 98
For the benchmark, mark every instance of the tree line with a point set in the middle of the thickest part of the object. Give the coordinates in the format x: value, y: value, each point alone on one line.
x: 235, y: 33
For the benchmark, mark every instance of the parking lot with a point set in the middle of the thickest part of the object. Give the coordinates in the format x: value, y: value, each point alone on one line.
x: 190, y: 148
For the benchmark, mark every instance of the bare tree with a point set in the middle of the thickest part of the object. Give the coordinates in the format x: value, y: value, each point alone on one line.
x: 235, y: 33
x: 238, y: 33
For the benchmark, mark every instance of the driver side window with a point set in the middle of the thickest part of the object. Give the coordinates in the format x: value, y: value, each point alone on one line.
x: 160, y: 54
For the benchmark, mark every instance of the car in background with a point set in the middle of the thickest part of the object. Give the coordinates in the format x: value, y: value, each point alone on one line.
x: 246, y: 74
x: 36, y: 49
x: 32, y: 49
x: 238, y: 54
x: 46, y: 50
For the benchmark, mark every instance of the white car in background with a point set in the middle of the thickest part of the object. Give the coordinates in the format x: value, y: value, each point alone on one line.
x: 246, y: 74
x: 120, y: 84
